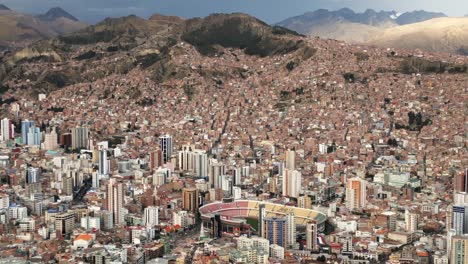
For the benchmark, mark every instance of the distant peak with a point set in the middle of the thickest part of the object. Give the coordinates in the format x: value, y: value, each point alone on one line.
x: 346, y: 9
x: 4, y: 7
x: 55, y: 13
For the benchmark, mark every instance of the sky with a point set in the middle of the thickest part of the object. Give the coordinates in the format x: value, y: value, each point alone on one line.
x: 270, y: 11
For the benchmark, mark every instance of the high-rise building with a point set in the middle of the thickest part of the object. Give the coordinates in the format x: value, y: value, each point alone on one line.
x: 411, y: 221
x: 180, y: 218
x: 277, y: 252
x: 79, y: 137
x: 261, y: 243
x: 290, y: 230
x: 200, y: 163
x: 290, y: 159
x: 165, y: 143
x: 115, y: 200
x: 460, y: 181
x: 274, y: 229
x: 237, y: 176
x: 67, y: 185
x: 17, y: 212
x: 356, y: 193
x: 292, y: 183
x: 460, y: 198
x: 236, y: 193
x: 65, y: 223
x: 215, y: 170
x: 50, y: 141
x: 32, y: 175
x: 244, y: 241
x: 448, y: 218
x: 7, y: 129
x: 459, y: 250
x: 103, y: 163
x: 460, y: 219
x: 4, y: 201
x: 25, y: 125
x: 155, y: 159
x: 185, y: 158
x: 190, y: 199
x: 311, y: 236
x: 89, y: 223
x: 151, y: 216
x: 304, y: 202
x: 34, y: 136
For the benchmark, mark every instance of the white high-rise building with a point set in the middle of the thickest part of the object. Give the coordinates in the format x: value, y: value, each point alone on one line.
x: 4, y: 201
x: 215, y: 170
x: 103, y: 165
x: 460, y: 198
x: 237, y: 176
x: 50, y: 141
x: 186, y: 159
x: 180, y: 218
x: 236, y: 193
x: 17, y: 212
x: 7, y: 129
x: 244, y: 242
x: 89, y: 223
x: 165, y: 143
x: 411, y: 221
x: 292, y: 183
x: 276, y: 251
x: 80, y: 137
x: 151, y: 216
x: 290, y: 230
x: 290, y: 159
x: 460, y: 219
x: 160, y: 176
x: 200, y: 163
x: 115, y: 200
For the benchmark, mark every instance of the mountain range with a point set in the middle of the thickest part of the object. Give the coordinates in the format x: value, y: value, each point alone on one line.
x: 168, y: 50
x: 18, y: 29
x: 120, y: 45
x: 418, y: 29
x: 323, y: 20
x: 448, y: 35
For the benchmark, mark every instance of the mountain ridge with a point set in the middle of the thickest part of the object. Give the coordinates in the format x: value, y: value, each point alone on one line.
x: 56, y: 13
x: 150, y: 44
x: 445, y: 34
x: 18, y: 29
x: 350, y: 26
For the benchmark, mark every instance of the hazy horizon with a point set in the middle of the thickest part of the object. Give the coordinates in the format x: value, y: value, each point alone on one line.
x: 278, y: 10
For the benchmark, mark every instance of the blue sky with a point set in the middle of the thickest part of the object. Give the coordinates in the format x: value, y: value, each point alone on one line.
x: 270, y: 11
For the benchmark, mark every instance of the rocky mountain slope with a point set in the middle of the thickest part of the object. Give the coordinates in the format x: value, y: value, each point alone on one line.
x: 168, y: 51
x: 147, y: 44
x: 187, y: 78
x: 18, y: 29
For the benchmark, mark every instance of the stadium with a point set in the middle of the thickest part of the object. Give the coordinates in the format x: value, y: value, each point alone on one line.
x: 242, y: 216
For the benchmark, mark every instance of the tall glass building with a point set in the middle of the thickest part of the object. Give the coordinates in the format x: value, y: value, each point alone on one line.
x: 25, y: 125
